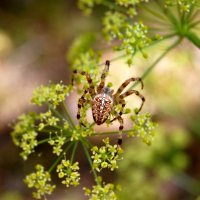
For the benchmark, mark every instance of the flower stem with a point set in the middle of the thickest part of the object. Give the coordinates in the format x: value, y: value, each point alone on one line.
x: 59, y: 158
x: 73, y: 152
x: 90, y: 162
x: 55, y: 112
x: 193, y: 38
x: 150, y: 68
x: 68, y: 115
x: 153, y: 43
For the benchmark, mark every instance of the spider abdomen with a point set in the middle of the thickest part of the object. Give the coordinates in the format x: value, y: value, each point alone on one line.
x: 101, y: 107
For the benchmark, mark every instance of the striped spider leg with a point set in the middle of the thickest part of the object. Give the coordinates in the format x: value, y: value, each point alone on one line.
x: 90, y: 90
x: 119, y: 99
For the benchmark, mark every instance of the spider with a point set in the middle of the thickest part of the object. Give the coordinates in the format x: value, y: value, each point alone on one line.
x: 104, y: 99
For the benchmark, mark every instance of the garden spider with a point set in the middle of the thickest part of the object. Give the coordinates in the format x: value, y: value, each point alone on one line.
x: 103, y: 99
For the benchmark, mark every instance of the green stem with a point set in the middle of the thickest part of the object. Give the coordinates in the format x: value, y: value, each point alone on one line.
x: 153, y: 43
x: 90, y: 162
x: 193, y: 38
x: 168, y: 14
x: 59, y: 158
x: 193, y: 24
x: 111, y: 132
x: 154, y: 13
x: 55, y: 112
x: 68, y: 115
x: 73, y: 152
x: 150, y: 68
x: 45, y: 140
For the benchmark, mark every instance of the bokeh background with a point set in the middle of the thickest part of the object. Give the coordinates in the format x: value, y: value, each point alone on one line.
x: 35, y: 37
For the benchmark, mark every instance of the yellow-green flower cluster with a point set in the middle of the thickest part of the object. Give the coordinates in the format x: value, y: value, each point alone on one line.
x: 101, y: 192
x: 57, y: 144
x: 105, y: 156
x: 53, y: 94
x: 113, y: 22
x: 79, y: 131
x: 40, y: 180
x: 143, y: 127
x: 182, y: 5
x: 88, y: 62
x: 135, y: 39
x: 24, y: 134
x: 129, y: 3
x: 47, y: 119
x: 68, y: 172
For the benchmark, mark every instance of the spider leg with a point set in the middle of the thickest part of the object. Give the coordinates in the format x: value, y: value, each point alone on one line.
x: 91, y: 89
x: 129, y: 92
x: 121, y: 126
x: 122, y: 87
x: 122, y: 102
x: 81, y: 103
x: 103, y: 77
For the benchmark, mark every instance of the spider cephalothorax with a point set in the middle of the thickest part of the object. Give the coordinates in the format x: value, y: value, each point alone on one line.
x: 103, y: 99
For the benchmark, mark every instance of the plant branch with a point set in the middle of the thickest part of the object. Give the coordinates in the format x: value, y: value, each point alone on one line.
x: 150, y: 68
x: 59, y: 158
x: 68, y: 115
x: 90, y: 162
x: 74, y: 151
x: 192, y: 37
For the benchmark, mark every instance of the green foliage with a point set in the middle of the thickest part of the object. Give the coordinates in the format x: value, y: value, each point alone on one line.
x: 164, y: 159
x: 56, y: 128
x: 80, y: 45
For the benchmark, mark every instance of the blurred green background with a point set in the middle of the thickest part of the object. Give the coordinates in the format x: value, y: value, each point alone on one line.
x: 34, y: 39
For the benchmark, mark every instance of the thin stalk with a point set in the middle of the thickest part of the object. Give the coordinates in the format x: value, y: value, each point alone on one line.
x: 111, y: 132
x: 55, y: 112
x: 193, y: 38
x: 73, y: 152
x: 45, y: 140
x: 90, y: 162
x: 192, y: 25
x: 150, y: 68
x: 153, y: 43
x: 154, y: 13
x: 168, y: 14
x: 68, y: 115
x: 59, y: 158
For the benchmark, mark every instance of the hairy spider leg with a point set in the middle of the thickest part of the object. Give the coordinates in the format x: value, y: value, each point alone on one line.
x: 103, y: 77
x: 123, y: 103
x: 120, y: 119
x: 122, y: 87
x: 81, y: 103
x: 91, y: 89
x: 121, y: 127
x: 130, y: 92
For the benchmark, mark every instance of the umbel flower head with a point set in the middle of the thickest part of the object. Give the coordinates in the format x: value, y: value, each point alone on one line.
x: 68, y: 172
x: 101, y: 191
x: 40, y: 180
x: 105, y: 156
x: 24, y: 134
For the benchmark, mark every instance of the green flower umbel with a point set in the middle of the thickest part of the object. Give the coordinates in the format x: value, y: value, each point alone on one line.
x: 40, y: 180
